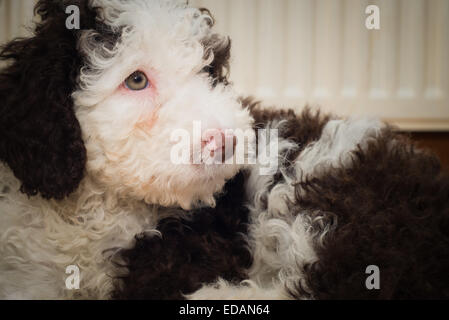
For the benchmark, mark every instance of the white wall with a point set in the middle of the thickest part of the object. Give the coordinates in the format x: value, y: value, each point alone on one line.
x: 15, y: 17
x: 293, y: 52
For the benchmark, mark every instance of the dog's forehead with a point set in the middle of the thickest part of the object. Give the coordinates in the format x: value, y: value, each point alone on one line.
x: 153, y: 16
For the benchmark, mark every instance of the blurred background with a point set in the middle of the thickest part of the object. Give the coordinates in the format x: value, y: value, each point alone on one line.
x: 290, y: 53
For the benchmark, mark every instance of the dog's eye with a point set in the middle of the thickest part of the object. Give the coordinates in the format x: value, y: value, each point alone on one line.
x: 137, y: 81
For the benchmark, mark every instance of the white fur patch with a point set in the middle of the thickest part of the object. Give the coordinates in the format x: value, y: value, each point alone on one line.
x: 40, y: 238
x: 248, y: 290
x: 333, y: 149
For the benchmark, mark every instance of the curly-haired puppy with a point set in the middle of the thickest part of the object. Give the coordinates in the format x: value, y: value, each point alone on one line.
x: 86, y: 132
x: 87, y: 119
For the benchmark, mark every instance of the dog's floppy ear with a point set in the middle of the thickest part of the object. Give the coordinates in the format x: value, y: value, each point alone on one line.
x: 220, y: 47
x: 40, y: 137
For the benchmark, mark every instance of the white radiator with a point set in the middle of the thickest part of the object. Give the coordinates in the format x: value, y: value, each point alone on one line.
x: 15, y: 17
x: 293, y: 52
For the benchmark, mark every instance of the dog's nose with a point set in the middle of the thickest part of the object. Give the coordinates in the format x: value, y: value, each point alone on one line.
x: 216, y: 141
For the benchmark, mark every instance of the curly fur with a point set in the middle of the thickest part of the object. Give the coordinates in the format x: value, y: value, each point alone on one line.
x: 93, y: 160
x: 358, y: 195
x: 41, y: 137
x: 189, y: 251
x: 220, y: 48
x: 114, y: 123
x: 392, y: 206
x: 348, y: 194
x: 195, y: 252
x: 86, y: 167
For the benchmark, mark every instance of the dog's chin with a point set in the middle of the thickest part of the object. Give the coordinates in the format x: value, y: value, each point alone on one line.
x: 196, y: 185
x: 207, y: 183
x: 211, y: 171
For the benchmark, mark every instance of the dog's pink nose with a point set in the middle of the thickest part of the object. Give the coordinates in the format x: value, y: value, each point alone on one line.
x: 215, y: 141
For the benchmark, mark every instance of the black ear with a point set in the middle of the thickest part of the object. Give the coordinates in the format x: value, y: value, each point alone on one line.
x: 40, y: 137
x: 220, y: 46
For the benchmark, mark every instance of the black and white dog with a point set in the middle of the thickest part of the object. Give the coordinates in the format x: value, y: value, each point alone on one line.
x: 87, y: 118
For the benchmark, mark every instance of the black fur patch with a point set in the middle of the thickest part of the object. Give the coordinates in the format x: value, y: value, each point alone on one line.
x: 302, y: 128
x: 392, y: 210
x: 218, y: 69
x: 40, y: 137
x: 191, y: 252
